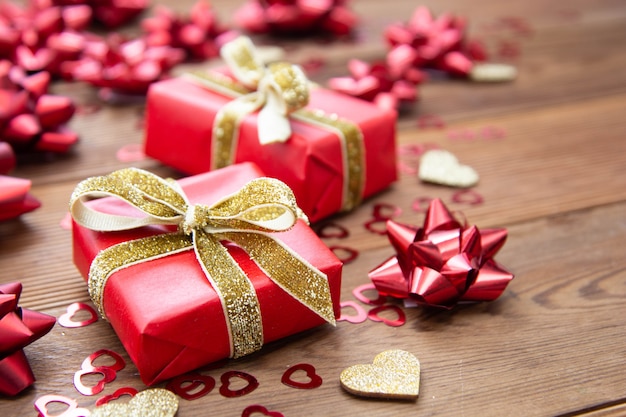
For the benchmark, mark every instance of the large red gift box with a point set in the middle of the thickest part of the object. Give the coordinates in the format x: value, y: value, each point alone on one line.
x: 179, y: 121
x: 166, y: 313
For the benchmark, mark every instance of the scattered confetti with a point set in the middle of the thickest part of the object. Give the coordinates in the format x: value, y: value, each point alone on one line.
x: 41, y: 405
x: 332, y: 230
x: 344, y: 253
x: 374, y: 315
x: 470, y: 197
x: 315, y: 380
x: 186, y: 386
x: 225, y: 387
x: 130, y: 391
x: 361, y: 314
x: 66, y: 320
x: 359, y: 291
x: 256, y: 408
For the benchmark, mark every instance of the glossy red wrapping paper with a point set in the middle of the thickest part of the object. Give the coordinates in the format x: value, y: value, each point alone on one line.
x: 180, y: 117
x: 166, y: 313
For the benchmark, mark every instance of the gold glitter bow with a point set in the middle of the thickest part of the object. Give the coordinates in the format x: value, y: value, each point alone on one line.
x: 281, y: 91
x: 247, y: 218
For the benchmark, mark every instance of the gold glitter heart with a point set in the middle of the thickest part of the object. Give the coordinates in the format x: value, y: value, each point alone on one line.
x: 393, y: 374
x: 442, y: 167
x: 155, y: 402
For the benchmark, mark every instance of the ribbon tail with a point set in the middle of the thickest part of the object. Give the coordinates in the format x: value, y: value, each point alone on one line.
x: 129, y: 253
x: 236, y: 292
x: 226, y: 128
x: 289, y: 271
x: 273, y: 124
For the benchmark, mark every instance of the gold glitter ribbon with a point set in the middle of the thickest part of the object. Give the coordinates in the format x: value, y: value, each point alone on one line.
x: 280, y: 90
x: 250, y: 217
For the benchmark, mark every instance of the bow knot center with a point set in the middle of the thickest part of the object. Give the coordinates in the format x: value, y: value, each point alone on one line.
x: 196, y: 218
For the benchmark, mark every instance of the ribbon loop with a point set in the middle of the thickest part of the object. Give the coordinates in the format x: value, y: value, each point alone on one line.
x: 247, y: 217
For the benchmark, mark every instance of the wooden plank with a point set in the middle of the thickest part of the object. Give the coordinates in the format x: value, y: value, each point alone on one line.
x: 546, y: 347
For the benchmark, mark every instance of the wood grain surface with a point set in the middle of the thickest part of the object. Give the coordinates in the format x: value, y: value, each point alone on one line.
x: 554, y: 344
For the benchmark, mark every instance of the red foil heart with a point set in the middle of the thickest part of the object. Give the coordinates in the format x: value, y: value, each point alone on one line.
x: 256, y: 408
x: 358, y: 294
x: 315, y: 380
x: 186, y: 386
x: 361, y: 314
x: 108, y: 375
x: 344, y: 253
x: 225, y: 387
x: 41, y: 405
x: 373, y: 315
x: 65, y: 320
x: 332, y: 230
x: 130, y: 391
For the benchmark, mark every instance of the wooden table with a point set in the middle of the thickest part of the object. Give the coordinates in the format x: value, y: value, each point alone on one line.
x: 554, y: 344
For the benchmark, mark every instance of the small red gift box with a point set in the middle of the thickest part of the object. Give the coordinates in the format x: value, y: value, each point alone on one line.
x: 166, y: 310
x: 327, y: 168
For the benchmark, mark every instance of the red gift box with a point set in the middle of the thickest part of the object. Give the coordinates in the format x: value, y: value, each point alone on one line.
x: 166, y: 313
x: 179, y: 124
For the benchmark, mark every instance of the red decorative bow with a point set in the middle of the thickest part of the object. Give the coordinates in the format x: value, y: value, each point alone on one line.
x: 15, y: 199
x: 19, y: 327
x: 428, y: 42
x: 110, y: 13
x: 196, y: 34
x: 299, y: 17
x: 443, y: 262
x: 124, y: 66
x: 388, y: 84
x: 31, y: 119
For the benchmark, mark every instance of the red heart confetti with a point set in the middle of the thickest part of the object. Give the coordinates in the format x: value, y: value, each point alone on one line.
x: 344, y: 253
x: 256, y: 408
x: 66, y: 320
x: 225, y: 387
x: 117, y: 366
x: 314, y: 379
x: 360, y: 316
x: 186, y: 386
x: 108, y: 375
x: 130, y: 391
x: 358, y: 294
x: 373, y: 315
x: 374, y: 226
x: 41, y: 405
x: 420, y: 204
x: 470, y: 197
x: 332, y: 230
x: 386, y: 211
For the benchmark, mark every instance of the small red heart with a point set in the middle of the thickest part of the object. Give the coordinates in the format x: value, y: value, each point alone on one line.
x: 373, y: 315
x: 184, y: 385
x: 360, y: 316
x: 470, y: 197
x: 386, y: 211
x: 419, y: 202
x: 256, y: 408
x: 41, y: 405
x: 332, y: 230
x: 314, y: 379
x: 358, y: 294
x: 117, y: 366
x: 225, y: 387
x: 65, y: 320
x: 108, y: 375
x: 345, y: 254
x: 117, y: 394
x: 379, y: 230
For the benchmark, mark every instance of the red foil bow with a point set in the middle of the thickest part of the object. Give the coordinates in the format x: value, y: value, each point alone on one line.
x: 15, y: 199
x: 443, y: 262
x: 428, y: 42
x: 30, y: 119
x: 389, y: 84
x: 297, y: 17
x: 19, y: 327
x: 110, y: 13
x: 196, y: 34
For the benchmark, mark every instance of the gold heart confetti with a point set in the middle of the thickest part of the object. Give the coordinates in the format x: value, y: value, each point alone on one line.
x: 442, y: 167
x: 394, y: 374
x: 155, y: 402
